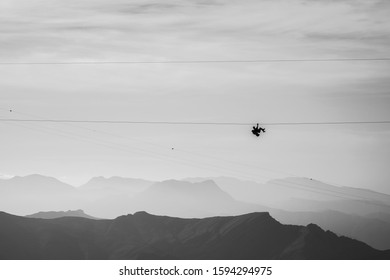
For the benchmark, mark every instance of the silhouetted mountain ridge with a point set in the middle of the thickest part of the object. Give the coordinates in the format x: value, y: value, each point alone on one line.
x: 291, y: 200
x: 145, y: 236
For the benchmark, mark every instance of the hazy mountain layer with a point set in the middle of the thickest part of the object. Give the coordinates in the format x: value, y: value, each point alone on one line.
x: 144, y: 236
x: 304, y: 194
x: 357, y: 217
x: 34, y: 184
x: 372, y: 231
x: 60, y: 214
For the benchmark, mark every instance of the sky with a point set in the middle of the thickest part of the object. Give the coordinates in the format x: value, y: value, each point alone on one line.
x: 124, y: 30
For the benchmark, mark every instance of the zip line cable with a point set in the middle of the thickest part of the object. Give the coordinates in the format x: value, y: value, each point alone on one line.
x: 132, y: 149
x: 181, y: 150
x: 335, y: 193
x: 293, y: 185
x: 201, y: 156
x: 331, y: 193
x: 193, y: 123
x: 197, y: 61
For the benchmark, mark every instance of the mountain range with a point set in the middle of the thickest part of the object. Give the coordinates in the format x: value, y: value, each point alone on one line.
x: 144, y: 236
x: 356, y: 213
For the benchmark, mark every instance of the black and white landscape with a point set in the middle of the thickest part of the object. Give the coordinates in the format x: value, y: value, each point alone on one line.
x: 194, y: 129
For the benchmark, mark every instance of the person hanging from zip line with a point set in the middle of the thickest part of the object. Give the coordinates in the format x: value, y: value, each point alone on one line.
x: 257, y: 130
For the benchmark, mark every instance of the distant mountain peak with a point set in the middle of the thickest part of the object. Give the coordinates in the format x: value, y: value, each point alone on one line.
x: 60, y: 214
x: 36, y: 184
x: 35, y: 177
x: 96, y: 179
x: 142, y: 213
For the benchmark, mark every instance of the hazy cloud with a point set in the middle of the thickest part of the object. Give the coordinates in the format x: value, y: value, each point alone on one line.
x: 179, y: 29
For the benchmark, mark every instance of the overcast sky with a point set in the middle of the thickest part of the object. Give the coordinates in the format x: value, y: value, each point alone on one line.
x: 146, y: 30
